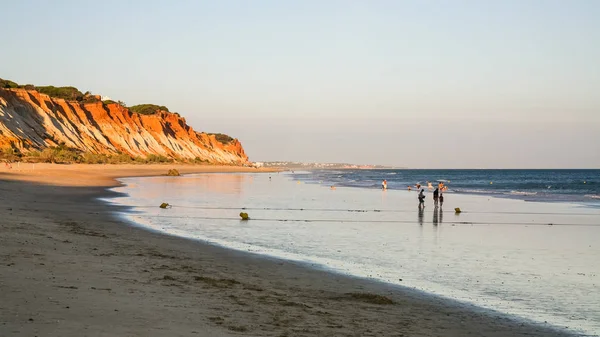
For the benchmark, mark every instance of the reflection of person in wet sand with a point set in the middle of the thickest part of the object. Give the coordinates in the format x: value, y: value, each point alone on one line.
x: 435, y: 216
x: 441, y: 215
x: 420, y: 214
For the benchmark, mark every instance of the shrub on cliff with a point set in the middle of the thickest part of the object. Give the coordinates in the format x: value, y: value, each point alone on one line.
x: 31, y: 157
x: 110, y: 101
x: 10, y: 154
x: 68, y: 93
x: 147, y: 109
x: 94, y: 158
x: 225, y: 139
x: 8, y: 84
x: 90, y: 99
x: 59, y: 155
x: 152, y: 159
x: 98, y: 158
x: 120, y: 158
x: 65, y: 155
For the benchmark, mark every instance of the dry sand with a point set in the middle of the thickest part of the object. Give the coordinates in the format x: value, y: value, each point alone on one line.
x: 70, y: 268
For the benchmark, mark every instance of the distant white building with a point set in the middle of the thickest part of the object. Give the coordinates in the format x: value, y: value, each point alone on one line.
x: 106, y: 98
x: 258, y: 164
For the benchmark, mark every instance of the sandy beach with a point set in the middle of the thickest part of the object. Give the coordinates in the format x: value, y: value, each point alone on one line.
x: 69, y: 267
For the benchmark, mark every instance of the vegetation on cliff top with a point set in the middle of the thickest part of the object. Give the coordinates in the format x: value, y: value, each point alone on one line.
x: 8, y: 84
x: 67, y: 93
x: 147, y: 109
x: 74, y: 94
x: 225, y: 139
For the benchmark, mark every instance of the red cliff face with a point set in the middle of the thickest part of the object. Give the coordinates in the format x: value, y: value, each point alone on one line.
x: 30, y: 120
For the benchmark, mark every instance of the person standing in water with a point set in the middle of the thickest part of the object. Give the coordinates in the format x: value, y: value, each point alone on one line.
x: 384, y: 185
x: 420, y: 214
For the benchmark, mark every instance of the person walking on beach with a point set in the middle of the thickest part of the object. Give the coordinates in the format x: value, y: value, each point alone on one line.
x: 422, y: 198
x: 436, y: 194
x: 441, y: 199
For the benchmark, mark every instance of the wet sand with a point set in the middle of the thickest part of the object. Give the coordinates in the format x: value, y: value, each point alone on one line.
x: 68, y: 267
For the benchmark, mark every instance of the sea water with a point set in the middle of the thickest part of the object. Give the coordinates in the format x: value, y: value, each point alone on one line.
x: 532, y: 185
x: 536, y: 260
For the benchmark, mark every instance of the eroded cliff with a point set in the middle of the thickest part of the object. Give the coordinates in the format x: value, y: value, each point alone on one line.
x: 30, y: 120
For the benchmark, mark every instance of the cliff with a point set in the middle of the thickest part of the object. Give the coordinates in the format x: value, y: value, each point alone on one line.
x: 30, y: 120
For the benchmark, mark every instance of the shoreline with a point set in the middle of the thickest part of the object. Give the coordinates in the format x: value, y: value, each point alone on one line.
x: 82, y: 265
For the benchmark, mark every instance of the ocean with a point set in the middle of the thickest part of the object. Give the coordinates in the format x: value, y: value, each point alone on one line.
x: 518, y: 247
x: 531, y: 185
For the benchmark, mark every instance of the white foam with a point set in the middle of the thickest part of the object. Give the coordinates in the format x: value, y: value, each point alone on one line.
x: 522, y: 193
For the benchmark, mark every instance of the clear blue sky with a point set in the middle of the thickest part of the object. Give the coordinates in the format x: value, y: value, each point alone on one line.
x: 485, y: 84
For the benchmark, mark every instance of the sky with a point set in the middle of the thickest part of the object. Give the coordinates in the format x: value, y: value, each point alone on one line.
x: 419, y: 84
